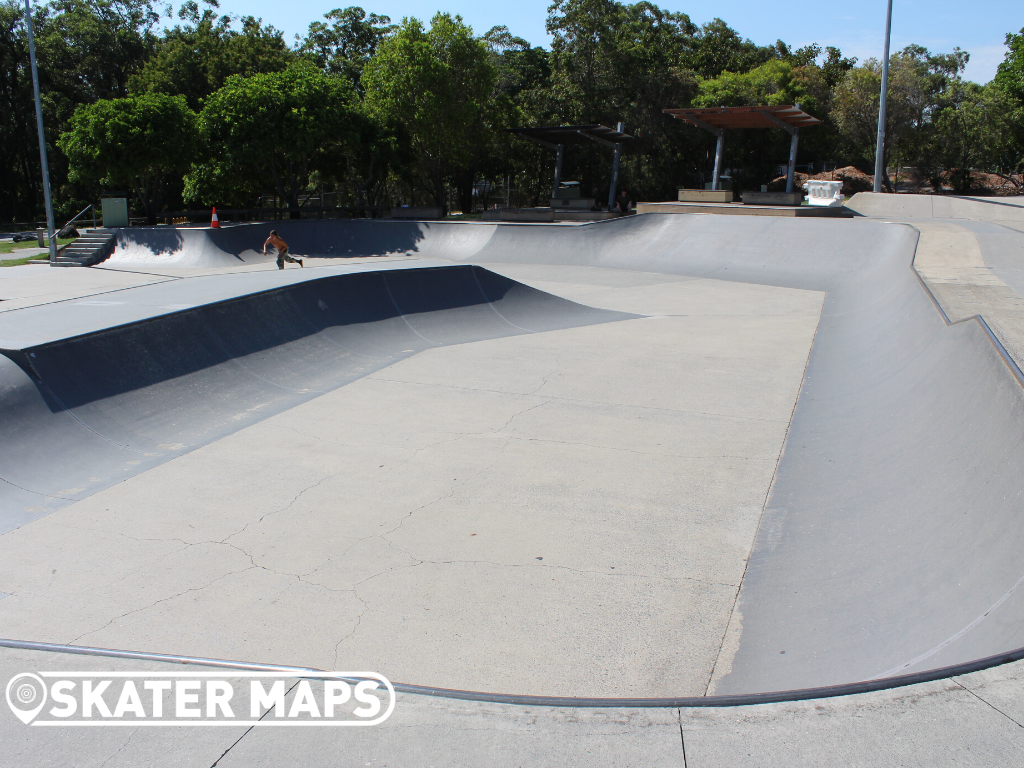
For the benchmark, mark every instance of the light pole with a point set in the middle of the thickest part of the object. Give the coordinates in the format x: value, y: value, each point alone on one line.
x: 880, y: 143
x: 42, y: 139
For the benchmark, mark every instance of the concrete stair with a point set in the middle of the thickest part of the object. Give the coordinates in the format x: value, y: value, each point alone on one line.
x: 89, y: 249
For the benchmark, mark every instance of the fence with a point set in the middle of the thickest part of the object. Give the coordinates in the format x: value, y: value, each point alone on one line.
x: 202, y: 216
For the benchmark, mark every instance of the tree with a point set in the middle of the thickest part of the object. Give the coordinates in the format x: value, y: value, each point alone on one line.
x: 196, y: 59
x: 973, y: 128
x: 1010, y: 79
x: 86, y: 50
x: 856, y: 107
x: 770, y: 84
x: 438, y: 83
x: 345, y: 47
x: 19, y: 153
x: 717, y: 48
x: 835, y: 67
x: 1010, y: 75
x: 135, y: 142
x: 613, y: 61
x: 280, y: 131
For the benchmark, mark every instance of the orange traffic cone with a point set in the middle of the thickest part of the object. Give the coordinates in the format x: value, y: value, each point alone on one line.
x: 215, y: 223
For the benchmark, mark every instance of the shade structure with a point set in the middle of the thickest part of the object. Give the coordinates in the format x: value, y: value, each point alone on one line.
x: 557, y: 136
x: 572, y: 134
x: 727, y: 118
x: 718, y: 120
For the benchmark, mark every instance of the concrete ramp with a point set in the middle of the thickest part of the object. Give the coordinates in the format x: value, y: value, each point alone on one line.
x: 242, y: 244
x: 890, y: 542
x: 80, y: 413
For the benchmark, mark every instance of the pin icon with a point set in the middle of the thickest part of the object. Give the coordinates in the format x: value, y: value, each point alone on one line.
x: 23, y: 691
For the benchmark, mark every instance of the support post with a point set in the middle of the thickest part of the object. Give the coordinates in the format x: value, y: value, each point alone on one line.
x: 42, y: 138
x: 615, y: 170
x: 880, y: 141
x: 719, y: 151
x: 792, y: 159
x: 558, y: 170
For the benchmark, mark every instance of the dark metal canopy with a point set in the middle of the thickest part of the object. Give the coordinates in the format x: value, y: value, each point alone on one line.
x: 745, y: 117
x: 717, y: 120
x: 554, y: 135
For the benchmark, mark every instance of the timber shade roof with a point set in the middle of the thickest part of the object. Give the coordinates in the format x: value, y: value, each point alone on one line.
x: 572, y: 134
x: 745, y: 117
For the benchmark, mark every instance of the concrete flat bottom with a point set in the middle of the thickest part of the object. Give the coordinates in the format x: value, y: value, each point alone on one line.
x: 562, y: 513
x: 739, y: 209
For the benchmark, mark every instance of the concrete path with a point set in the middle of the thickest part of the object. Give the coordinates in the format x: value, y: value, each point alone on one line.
x: 954, y: 260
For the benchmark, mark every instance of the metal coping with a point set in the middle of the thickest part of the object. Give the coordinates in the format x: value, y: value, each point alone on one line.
x: 736, y: 700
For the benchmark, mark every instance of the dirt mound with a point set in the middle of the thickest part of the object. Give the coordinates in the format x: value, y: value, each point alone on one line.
x: 854, y: 181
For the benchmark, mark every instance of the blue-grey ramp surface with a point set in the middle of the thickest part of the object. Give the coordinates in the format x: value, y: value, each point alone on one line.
x: 81, y: 413
x: 891, y: 540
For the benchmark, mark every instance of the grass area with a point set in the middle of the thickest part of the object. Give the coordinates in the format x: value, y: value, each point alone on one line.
x: 10, y: 248
x: 7, y: 247
x: 26, y: 260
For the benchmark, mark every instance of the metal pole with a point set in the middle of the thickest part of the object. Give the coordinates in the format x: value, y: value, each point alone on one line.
x: 558, y: 171
x: 615, y: 170
x: 792, y: 159
x: 42, y: 138
x: 880, y: 143
x: 719, y: 151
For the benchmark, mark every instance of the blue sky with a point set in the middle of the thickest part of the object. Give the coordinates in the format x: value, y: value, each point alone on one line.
x: 855, y: 27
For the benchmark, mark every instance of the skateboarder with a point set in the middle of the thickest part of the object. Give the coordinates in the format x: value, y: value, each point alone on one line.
x: 282, y: 250
x: 622, y: 202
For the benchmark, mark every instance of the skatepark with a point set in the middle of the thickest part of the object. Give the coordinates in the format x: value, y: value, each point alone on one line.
x: 607, y: 469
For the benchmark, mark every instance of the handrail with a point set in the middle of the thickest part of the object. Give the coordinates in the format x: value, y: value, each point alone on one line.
x: 83, y: 211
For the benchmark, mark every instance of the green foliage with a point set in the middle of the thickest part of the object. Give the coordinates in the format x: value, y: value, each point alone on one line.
x: 196, y: 59
x: 716, y: 48
x: 1010, y: 76
x: 134, y: 142
x: 973, y: 127
x: 345, y: 47
x: 615, y: 62
x: 437, y: 82
x: 917, y: 82
x: 376, y: 114
x: 835, y: 67
x: 281, y: 131
x: 86, y: 50
x: 19, y: 155
x: 770, y: 84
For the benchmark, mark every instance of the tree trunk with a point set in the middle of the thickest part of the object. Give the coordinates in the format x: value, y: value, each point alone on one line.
x: 464, y: 188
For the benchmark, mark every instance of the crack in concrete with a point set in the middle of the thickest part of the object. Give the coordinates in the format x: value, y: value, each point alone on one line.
x: 247, y: 730
x: 359, y: 620
x: 122, y: 747
x: 988, y: 703
x: 157, y: 602
x: 277, y: 511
